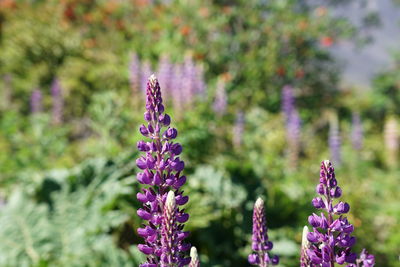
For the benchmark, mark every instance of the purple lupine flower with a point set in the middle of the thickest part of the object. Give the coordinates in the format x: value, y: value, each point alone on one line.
x: 194, y: 262
x: 176, y: 91
x: 330, y: 240
x: 238, y: 129
x: 161, y: 169
x: 146, y: 71
x: 293, y: 134
x: 188, y: 80
x: 165, y: 75
x: 58, y: 102
x: 200, y: 84
x: 260, y: 243
x: 356, y: 131
x: 134, y: 74
x: 365, y: 259
x: 221, y: 99
x: 287, y: 102
x: 391, y: 139
x: 335, y: 142
x: 36, y: 101
x: 305, y: 245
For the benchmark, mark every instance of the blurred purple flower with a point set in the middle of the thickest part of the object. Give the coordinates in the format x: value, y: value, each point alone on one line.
x: 36, y: 101
x: 287, y: 102
x: 238, y: 129
x: 134, y: 74
x: 176, y: 89
x: 260, y: 243
x: 200, y: 85
x: 146, y: 72
x: 165, y: 75
x: 57, y: 101
x: 305, y: 245
x: 221, y: 99
x: 356, y: 131
x: 161, y: 170
x: 335, y: 142
x: 188, y: 80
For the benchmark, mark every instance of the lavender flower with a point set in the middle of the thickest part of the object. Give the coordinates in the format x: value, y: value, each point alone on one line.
x: 58, y: 102
x: 287, y: 101
x: 36, y: 101
x: 145, y: 73
x: 305, y: 245
x: 391, y: 136
x: 165, y: 75
x: 200, y: 84
x: 365, y: 260
x: 176, y: 85
x: 134, y: 74
x: 330, y: 240
x: 194, y: 262
x: 260, y: 244
x: 356, y: 131
x: 335, y: 142
x: 293, y: 132
x: 189, y: 80
x: 161, y: 171
x: 292, y: 123
x: 221, y: 99
x: 238, y: 129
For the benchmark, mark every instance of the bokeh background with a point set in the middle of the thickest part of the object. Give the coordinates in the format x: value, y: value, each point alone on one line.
x: 260, y: 91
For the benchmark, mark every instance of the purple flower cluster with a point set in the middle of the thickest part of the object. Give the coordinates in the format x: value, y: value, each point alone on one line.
x: 260, y: 244
x: 330, y: 240
x: 184, y: 81
x: 356, y: 131
x: 238, y: 129
x: 292, y: 123
x: 36, y: 101
x: 58, y: 102
x: 365, y: 260
x: 334, y: 141
x: 221, y: 98
x: 161, y: 172
x: 305, y: 245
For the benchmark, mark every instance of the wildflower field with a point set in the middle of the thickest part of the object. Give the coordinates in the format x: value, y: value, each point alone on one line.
x: 194, y: 133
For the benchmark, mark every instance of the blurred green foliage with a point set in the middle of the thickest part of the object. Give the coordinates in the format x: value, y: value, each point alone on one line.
x: 69, y: 190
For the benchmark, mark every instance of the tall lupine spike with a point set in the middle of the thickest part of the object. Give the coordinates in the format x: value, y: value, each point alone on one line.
x: 330, y: 240
x: 134, y: 75
x: 36, y: 101
x: 238, y: 130
x: 356, y: 131
x: 391, y: 136
x: 260, y: 243
x: 161, y: 170
x: 221, y: 99
x: 334, y: 141
x: 169, y: 233
x: 305, y: 245
x: 194, y: 262
x: 58, y: 102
